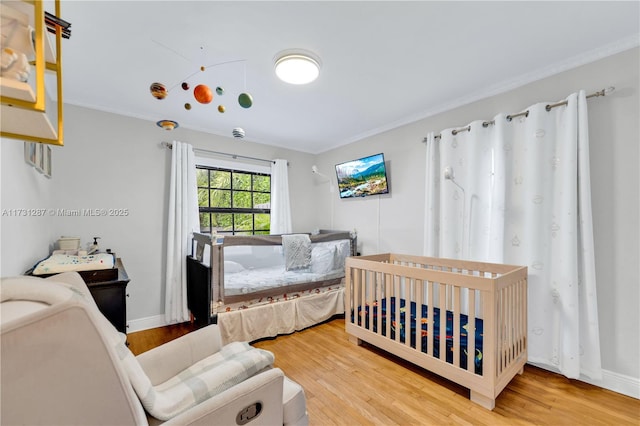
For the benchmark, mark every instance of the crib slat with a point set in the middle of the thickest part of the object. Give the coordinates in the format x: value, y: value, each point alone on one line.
x: 378, y: 300
x: 363, y: 294
x: 388, y: 292
x: 396, y: 319
x: 356, y: 289
x: 456, y: 347
x: 471, y: 332
x: 407, y: 311
x: 443, y: 320
x: 418, y: 298
x: 430, y: 322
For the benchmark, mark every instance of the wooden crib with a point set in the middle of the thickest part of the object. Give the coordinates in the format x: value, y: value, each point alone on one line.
x: 486, y: 315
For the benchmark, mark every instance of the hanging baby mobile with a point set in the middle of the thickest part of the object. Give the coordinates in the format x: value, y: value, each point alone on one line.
x: 202, y: 95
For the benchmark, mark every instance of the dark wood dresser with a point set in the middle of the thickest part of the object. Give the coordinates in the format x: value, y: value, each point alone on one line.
x: 111, y: 296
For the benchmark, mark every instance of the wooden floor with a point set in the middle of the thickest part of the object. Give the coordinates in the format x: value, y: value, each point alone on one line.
x: 347, y: 384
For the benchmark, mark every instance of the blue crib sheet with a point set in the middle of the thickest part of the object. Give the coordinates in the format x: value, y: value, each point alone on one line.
x: 363, y: 319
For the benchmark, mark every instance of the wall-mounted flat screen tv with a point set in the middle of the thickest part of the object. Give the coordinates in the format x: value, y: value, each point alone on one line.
x: 362, y: 177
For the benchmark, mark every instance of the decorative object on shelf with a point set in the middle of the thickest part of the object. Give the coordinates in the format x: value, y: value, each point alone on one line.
x: 297, y: 66
x: 52, y: 21
x: 27, y: 52
x: 168, y: 124
x: 238, y: 133
x: 17, y: 46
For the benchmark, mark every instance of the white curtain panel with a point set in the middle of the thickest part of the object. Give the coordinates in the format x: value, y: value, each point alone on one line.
x: 280, y: 204
x: 183, y: 220
x: 518, y: 192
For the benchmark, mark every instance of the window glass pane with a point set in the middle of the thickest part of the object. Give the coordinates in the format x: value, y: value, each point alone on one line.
x: 222, y: 221
x: 261, y: 200
x: 261, y: 233
x: 243, y: 222
x: 262, y: 183
x: 242, y: 181
x: 233, y: 191
x: 262, y: 221
x: 205, y: 222
x: 203, y: 197
x: 241, y: 200
x: 220, y: 198
x: 202, y: 177
x: 220, y: 179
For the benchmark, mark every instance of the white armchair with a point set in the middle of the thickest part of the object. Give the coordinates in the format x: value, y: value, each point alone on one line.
x: 60, y: 366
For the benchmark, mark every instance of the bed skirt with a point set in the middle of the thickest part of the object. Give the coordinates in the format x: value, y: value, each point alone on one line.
x: 281, y: 317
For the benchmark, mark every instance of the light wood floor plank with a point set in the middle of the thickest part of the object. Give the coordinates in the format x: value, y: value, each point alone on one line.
x: 347, y: 384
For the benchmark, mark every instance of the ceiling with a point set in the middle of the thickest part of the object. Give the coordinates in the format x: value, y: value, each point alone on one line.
x: 384, y: 64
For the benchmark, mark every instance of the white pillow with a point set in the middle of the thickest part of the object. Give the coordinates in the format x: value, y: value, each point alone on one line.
x: 231, y: 267
x: 343, y: 250
x: 322, y: 259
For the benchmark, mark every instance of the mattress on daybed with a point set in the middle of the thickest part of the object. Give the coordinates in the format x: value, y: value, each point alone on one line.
x: 249, y: 269
x: 370, y: 312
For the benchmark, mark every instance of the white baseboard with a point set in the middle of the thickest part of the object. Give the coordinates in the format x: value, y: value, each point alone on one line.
x: 145, y: 323
x: 617, y: 382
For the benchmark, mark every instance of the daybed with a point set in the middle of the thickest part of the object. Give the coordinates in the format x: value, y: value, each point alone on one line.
x: 264, y: 285
x: 399, y: 303
x: 63, y: 363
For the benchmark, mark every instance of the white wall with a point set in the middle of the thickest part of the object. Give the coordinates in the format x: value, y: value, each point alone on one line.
x: 613, y: 126
x: 25, y: 236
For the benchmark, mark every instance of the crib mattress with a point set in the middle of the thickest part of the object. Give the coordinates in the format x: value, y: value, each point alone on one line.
x: 371, y: 312
x: 267, y: 278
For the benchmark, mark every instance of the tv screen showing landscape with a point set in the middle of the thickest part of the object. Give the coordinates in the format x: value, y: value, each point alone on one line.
x: 362, y: 177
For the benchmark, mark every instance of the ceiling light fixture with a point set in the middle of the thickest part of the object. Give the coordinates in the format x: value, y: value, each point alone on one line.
x: 297, y: 67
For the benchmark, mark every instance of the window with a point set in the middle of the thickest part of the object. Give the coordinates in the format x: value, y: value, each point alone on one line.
x: 233, y: 201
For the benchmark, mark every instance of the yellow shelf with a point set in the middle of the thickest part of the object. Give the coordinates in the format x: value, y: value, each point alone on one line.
x: 26, y: 111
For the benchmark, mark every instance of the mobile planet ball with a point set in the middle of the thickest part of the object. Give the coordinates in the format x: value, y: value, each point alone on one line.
x: 221, y: 108
x: 158, y: 90
x: 203, y: 94
x: 187, y: 106
x: 219, y: 90
x: 185, y: 86
x: 245, y: 100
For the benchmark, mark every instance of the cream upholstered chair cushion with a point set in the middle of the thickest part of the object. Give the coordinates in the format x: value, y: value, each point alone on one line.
x: 66, y: 364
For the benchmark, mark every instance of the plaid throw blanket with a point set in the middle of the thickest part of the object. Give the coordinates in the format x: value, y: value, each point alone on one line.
x: 234, y: 363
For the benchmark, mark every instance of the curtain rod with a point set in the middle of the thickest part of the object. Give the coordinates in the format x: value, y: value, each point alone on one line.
x: 234, y: 156
x: 510, y: 117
